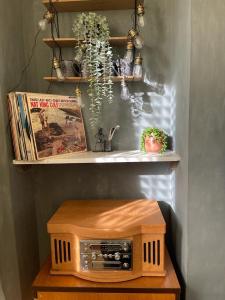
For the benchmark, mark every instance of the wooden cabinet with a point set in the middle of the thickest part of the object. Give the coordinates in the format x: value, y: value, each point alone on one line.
x: 104, y: 296
x: 57, y: 287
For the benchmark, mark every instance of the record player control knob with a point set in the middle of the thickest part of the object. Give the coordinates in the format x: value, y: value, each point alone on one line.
x: 125, y: 247
x: 93, y: 256
x: 126, y: 265
x: 105, y: 255
x: 110, y: 256
x: 117, y: 256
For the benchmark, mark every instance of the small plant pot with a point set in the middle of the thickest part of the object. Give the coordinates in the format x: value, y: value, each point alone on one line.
x: 152, y: 145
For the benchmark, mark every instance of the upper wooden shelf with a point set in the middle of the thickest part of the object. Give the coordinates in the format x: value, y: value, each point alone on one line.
x: 90, y: 5
x: 72, y: 42
x: 105, y: 157
x: 86, y: 79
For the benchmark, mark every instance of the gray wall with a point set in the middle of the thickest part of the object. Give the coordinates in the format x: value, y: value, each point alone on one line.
x: 18, y: 232
x: 184, y: 43
x: 206, y: 203
x: 181, y: 85
x: 56, y: 183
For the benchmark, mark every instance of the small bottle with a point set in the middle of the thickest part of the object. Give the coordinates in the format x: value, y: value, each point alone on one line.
x: 138, y: 70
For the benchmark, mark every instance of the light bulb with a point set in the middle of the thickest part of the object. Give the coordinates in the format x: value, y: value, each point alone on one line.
x: 78, y: 55
x: 138, y: 42
x: 43, y: 24
x: 79, y: 97
x: 137, y: 39
x: 59, y: 74
x: 129, y: 57
x: 141, y: 21
x: 47, y: 18
x: 58, y: 70
x: 125, y: 94
x: 140, y: 13
x: 138, y: 70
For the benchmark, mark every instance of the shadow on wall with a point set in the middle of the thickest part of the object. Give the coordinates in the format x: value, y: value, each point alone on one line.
x: 171, y: 223
x: 2, y: 296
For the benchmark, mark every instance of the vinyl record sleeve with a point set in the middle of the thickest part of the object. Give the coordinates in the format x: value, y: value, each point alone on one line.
x: 57, y: 125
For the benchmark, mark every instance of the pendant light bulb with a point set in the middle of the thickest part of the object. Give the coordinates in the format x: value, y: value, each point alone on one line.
x: 43, y: 24
x: 78, y: 56
x: 138, y: 70
x: 79, y: 96
x: 138, y: 42
x: 140, y: 14
x: 58, y: 70
x: 125, y: 93
x: 137, y: 39
x: 129, y: 57
x: 47, y: 18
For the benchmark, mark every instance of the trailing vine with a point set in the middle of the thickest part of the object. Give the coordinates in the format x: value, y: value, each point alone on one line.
x: 93, y: 31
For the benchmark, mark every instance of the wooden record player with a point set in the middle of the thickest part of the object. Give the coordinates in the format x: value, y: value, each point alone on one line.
x: 108, y: 240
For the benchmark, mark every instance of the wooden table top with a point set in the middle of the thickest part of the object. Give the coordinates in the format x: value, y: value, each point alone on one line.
x: 46, y: 282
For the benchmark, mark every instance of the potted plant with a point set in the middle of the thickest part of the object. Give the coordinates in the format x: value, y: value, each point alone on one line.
x: 95, y: 52
x: 153, y: 140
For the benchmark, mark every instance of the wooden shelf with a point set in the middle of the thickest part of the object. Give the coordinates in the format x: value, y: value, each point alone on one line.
x: 119, y: 41
x: 90, y: 5
x: 85, y: 79
x: 105, y: 157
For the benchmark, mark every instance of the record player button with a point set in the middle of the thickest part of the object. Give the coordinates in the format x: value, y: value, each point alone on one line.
x: 126, y: 265
x: 117, y: 256
x: 93, y: 256
x: 126, y: 256
x: 105, y: 255
x: 110, y: 256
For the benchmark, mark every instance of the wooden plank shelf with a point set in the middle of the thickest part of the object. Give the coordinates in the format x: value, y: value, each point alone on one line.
x: 86, y: 79
x: 89, y: 5
x: 106, y: 157
x: 72, y: 42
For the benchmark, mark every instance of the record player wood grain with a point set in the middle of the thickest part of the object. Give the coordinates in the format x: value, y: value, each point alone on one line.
x: 106, y: 217
x: 138, y: 222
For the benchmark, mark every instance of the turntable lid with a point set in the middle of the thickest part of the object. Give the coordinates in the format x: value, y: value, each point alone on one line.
x: 95, y: 217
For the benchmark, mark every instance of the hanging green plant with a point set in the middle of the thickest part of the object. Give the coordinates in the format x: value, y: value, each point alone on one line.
x: 153, y: 140
x: 93, y: 31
